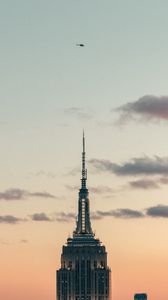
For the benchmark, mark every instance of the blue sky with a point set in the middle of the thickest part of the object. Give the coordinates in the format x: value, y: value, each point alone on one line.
x: 51, y: 89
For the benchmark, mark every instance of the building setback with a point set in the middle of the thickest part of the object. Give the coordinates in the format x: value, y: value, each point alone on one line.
x: 84, y: 273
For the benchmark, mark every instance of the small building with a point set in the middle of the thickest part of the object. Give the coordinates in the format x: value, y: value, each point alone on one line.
x: 140, y: 297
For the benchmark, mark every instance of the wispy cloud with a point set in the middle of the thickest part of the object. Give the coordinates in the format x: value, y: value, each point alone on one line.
x: 145, y: 184
x: 41, y: 195
x: 102, y: 165
x: 136, y: 166
x: 101, y: 189
x: 23, y: 241
x: 20, y: 194
x: 124, y: 213
x: 59, y: 217
x: 148, y: 107
x: 79, y: 112
x: 64, y: 217
x: 73, y: 172
x: 163, y: 180
x: 9, y: 219
x: 40, y: 217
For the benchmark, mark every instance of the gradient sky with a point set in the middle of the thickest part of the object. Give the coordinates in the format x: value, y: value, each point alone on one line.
x: 116, y: 89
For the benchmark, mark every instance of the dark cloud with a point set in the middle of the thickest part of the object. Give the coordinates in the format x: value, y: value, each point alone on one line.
x: 10, y: 219
x: 20, y: 194
x: 79, y: 112
x: 147, y: 108
x: 144, y: 184
x: 124, y: 213
x: 136, y: 166
x: 40, y: 217
x: 158, y: 211
x: 12, y: 194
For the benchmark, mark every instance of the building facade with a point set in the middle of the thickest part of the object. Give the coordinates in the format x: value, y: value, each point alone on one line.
x: 140, y: 297
x: 84, y: 273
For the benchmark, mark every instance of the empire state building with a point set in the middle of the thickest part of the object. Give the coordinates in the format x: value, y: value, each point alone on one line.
x: 84, y: 273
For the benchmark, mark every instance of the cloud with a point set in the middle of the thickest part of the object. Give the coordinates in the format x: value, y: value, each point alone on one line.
x: 124, y: 213
x: 78, y: 112
x: 136, y: 166
x: 144, y: 184
x: 12, y: 194
x: 160, y: 211
x: 59, y: 217
x: 148, y: 107
x: 120, y: 213
x: 40, y: 217
x: 163, y: 180
x: 102, y: 165
x: 10, y: 219
x: 41, y: 195
x: 20, y: 194
x: 65, y: 217
x: 148, y: 183
x: 101, y: 189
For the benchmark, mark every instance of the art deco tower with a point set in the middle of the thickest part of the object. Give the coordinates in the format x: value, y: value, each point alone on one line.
x: 84, y: 274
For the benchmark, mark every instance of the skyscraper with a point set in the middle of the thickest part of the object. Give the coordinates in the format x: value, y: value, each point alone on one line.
x: 140, y: 297
x: 84, y: 274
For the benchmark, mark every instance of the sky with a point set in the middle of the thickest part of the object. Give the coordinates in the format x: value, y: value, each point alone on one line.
x: 115, y: 88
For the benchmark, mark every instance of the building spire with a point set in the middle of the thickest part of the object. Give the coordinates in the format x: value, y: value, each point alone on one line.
x: 83, y: 219
x: 84, y: 170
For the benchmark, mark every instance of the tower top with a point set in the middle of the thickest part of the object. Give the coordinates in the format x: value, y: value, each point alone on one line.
x: 83, y: 234
x: 83, y: 228
x: 84, y: 170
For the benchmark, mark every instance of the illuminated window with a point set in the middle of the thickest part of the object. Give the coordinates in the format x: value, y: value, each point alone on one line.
x: 83, y: 215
